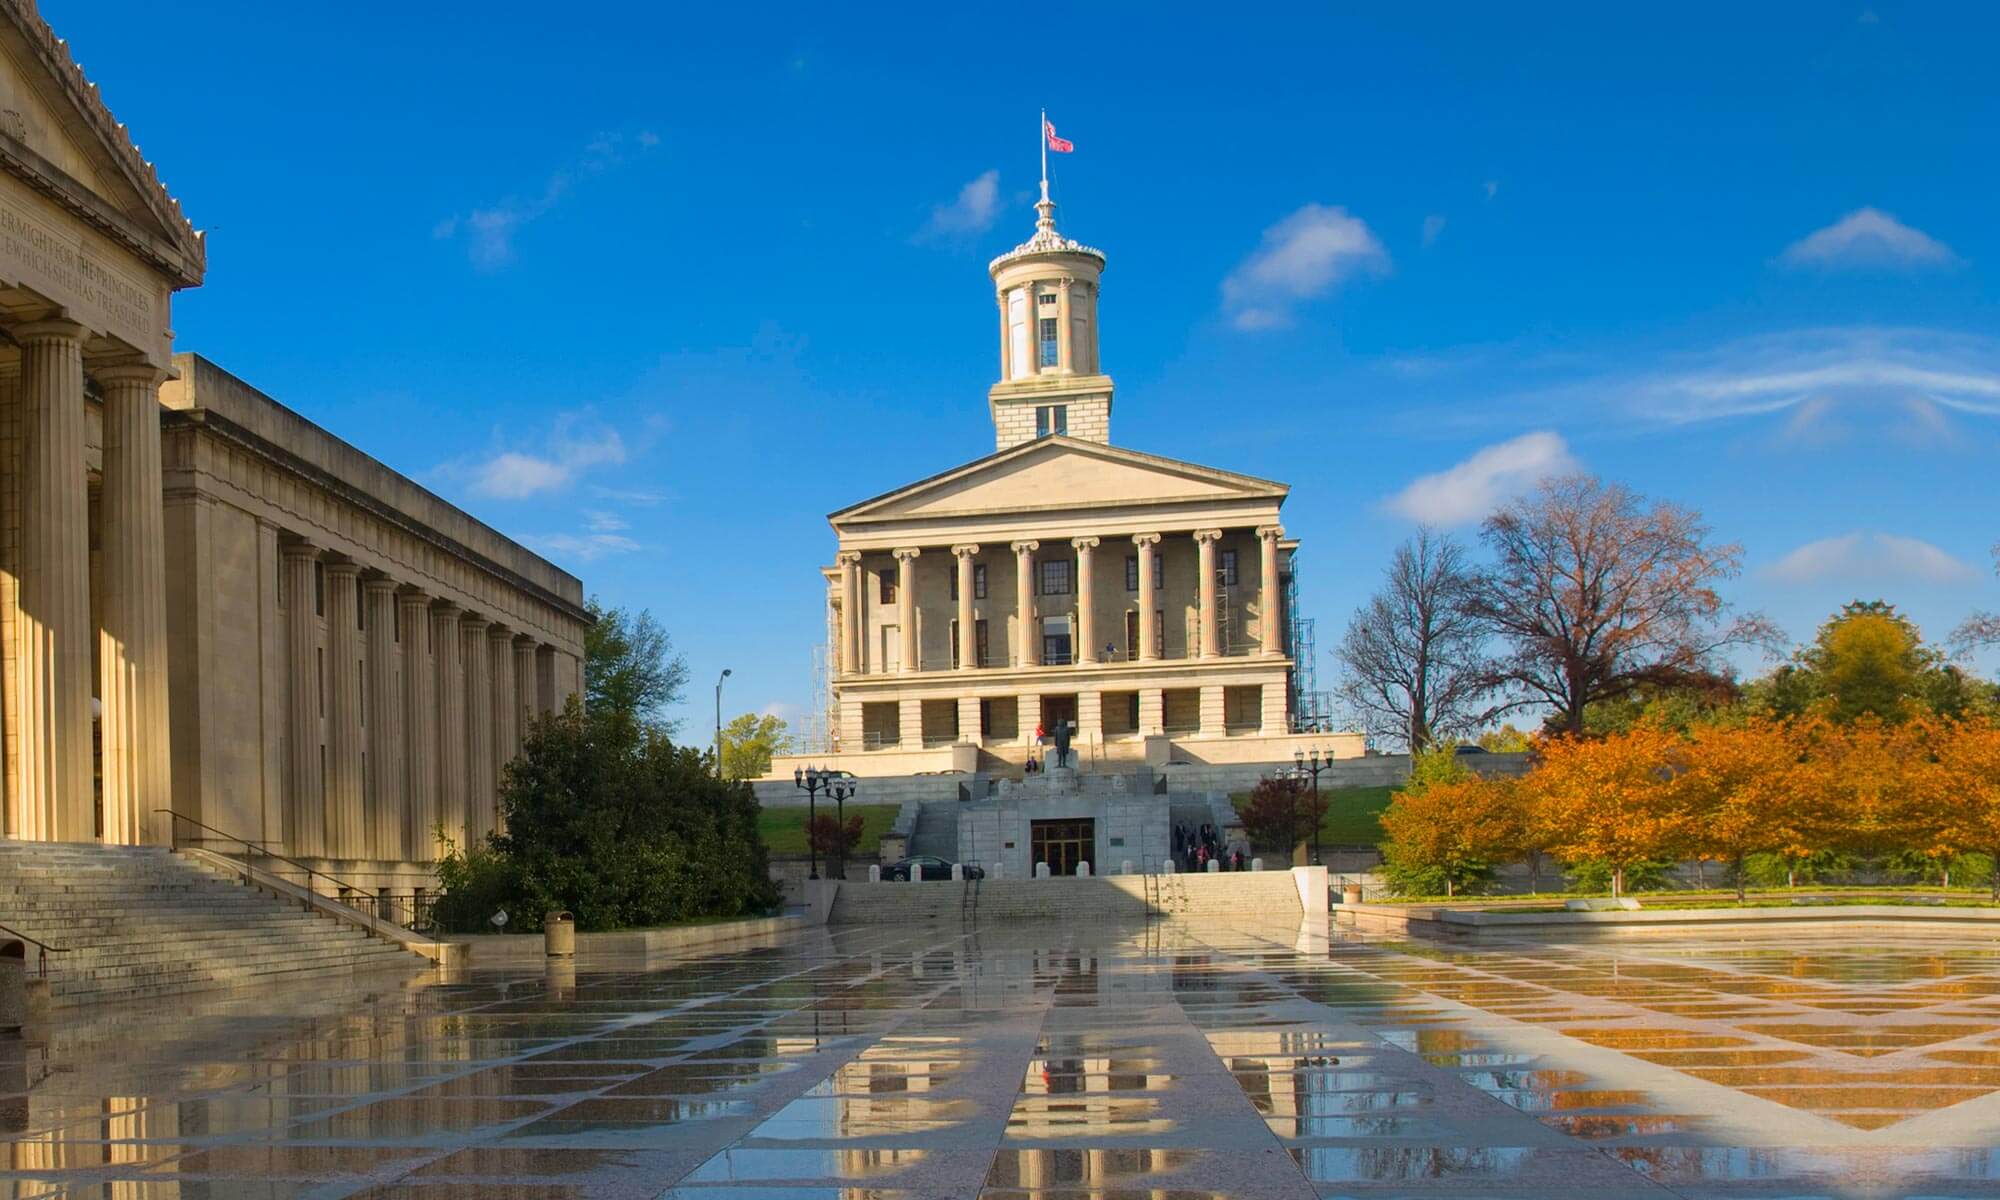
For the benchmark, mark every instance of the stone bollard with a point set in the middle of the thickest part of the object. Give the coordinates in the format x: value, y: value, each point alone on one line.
x: 875, y: 872
x: 916, y: 873
x: 957, y: 871
x: 1256, y: 864
x: 1041, y: 870
x: 559, y: 935
x: 1083, y: 869
x: 1214, y: 866
x: 1167, y: 867
x: 997, y: 870
x: 1125, y: 867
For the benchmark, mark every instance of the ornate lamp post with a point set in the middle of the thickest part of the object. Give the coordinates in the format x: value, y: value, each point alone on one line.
x: 840, y: 788
x: 1317, y: 763
x: 718, y: 722
x: 813, y: 781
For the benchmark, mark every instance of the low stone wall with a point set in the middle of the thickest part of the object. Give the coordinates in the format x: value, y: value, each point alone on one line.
x: 1240, y: 895
x: 1482, y: 924
x: 501, y: 948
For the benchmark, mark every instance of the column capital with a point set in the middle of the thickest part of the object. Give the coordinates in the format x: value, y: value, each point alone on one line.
x: 53, y: 329
x: 1024, y: 547
x: 1143, y: 540
x: 1085, y: 543
x: 376, y: 585
x: 907, y: 553
x: 446, y: 609
x: 298, y: 549
x: 847, y: 558
x: 1271, y: 532
x: 142, y: 374
x: 413, y: 597
x: 1207, y: 535
x: 526, y: 641
x: 472, y: 622
x: 499, y: 633
x: 965, y: 550
x: 336, y: 567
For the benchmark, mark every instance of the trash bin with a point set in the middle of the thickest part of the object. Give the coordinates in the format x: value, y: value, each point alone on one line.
x: 559, y: 934
x: 1350, y: 893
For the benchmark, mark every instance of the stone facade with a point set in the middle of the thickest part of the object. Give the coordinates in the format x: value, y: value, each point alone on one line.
x: 1060, y: 579
x: 207, y: 604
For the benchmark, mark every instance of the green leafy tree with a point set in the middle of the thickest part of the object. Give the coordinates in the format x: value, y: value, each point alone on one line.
x: 749, y: 741
x: 1870, y: 660
x: 630, y: 669
x: 1504, y: 740
x: 605, y: 817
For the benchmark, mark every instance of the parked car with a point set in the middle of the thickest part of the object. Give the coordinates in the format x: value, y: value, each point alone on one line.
x: 929, y: 867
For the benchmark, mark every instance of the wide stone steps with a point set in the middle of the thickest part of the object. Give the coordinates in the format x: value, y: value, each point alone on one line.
x: 1261, y: 895
x: 144, y: 922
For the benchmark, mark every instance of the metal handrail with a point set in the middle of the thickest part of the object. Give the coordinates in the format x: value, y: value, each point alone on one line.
x: 42, y: 958
x: 264, y: 849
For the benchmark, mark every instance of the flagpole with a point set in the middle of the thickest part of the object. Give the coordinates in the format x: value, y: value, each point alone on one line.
x: 1042, y: 136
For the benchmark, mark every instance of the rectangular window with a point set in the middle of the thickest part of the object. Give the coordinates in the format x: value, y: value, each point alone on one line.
x: 1055, y: 577
x: 1229, y: 568
x: 1052, y: 418
x: 1046, y: 300
x: 955, y: 664
x: 979, y: 640
x: 1131, y: 634
x: 886, y: 578
x: 979, y: 581
x: 1048, y: 340
x: 1131, y: 572
x: 1055, y: 641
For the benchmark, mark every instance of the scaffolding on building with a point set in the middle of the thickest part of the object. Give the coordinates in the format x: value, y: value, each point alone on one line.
x: 1311, y: 708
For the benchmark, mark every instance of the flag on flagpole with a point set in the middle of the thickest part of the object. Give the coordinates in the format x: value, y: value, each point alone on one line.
x: 1057, y: 144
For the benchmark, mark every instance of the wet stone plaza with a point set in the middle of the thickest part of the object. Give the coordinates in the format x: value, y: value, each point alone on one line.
x: 1163, y: 1060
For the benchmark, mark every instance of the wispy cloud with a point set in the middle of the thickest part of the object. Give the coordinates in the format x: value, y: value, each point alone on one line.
x: 1867, y: 238
x: 1304, y: 256
x: 972, y: 211
x: 1433, y: 229
x: 581, y: 547
x: 489, y: 231
x: 576, y: 445
x: 1469, y: 491
x: 1868, y: 557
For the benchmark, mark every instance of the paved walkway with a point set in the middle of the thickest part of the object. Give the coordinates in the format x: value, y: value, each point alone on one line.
x: 1168, y: 1061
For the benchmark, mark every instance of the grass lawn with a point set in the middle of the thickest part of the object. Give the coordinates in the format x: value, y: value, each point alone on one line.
x: 784, y: 829
x: 1352, y: 814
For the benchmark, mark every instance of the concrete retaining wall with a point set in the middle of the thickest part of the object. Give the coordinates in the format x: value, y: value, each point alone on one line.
x: 1243, y: 895
x: 488, y: 949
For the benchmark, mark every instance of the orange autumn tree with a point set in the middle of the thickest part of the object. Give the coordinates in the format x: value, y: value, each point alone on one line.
x: 1454, y: 831
x: 1742, y: 790
x: 1968, y: 768
x: 1610, y: 800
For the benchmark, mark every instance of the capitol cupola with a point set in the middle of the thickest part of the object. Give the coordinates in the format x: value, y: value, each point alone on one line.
x: 1051, y: 382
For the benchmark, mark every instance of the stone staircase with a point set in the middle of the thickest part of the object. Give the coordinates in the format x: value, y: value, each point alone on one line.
x: 937, y: 830
x: 141, y: 921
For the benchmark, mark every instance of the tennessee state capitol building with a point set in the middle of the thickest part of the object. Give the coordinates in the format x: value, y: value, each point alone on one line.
x: 1061, y: 578
x: 207, y: 603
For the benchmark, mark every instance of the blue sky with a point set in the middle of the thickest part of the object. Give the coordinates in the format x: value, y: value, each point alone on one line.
x: 654, y: 288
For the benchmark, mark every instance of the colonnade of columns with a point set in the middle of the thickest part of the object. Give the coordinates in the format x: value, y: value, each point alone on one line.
x: 52, y: 684
x: 1027, y: 649
x: 401, y: 714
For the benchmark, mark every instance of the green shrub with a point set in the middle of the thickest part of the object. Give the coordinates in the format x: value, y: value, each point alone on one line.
x: 1594, y: 875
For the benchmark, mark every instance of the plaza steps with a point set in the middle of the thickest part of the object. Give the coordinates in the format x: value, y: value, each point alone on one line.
x: 142, y: 921
x: 936, y: 832
x: 1239, y: 895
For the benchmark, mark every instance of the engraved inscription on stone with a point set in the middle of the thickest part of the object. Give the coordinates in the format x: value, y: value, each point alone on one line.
x: 97, y: 294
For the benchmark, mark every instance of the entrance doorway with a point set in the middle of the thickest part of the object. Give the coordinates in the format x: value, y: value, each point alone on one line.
x: 1062, y: 844
x: 1057, y: 708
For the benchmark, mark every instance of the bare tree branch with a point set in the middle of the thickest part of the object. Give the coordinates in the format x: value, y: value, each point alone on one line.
x: 1412, y: 658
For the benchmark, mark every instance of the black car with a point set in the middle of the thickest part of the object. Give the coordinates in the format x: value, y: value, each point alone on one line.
x: 928, y: 867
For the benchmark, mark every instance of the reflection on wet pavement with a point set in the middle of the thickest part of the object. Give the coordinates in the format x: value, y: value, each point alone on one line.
x: 1168, y: 1061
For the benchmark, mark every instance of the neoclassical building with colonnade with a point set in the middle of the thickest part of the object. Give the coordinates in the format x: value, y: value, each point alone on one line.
x: 1061, y: 579
x: 210, y: 606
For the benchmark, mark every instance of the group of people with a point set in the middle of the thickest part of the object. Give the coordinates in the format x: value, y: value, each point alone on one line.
x: 1197, y: 846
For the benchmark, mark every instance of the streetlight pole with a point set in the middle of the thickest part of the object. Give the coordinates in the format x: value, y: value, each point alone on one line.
x: 840, y: 789
x: 812, y: 779
x: 718, y: 721
x: 1316, y: 764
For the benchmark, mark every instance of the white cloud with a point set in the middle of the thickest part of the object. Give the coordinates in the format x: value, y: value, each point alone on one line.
x: 1867, y: 237
x: 518, y: 475
x: 1433, y: 227
x: 1307, y: 254
x: 583, y: 547
x: 489, y: 231
x: 1472, y: 489
x: 599, y: 521
x: 973, y: 211
x: 1865, y: 556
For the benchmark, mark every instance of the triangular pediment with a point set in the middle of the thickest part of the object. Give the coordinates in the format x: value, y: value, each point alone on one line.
x: 58, y: 136
x: 1059, y: 472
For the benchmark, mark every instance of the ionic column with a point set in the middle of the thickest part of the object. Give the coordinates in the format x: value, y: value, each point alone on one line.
x: 1271, y: 639
x: 1031, y: 327
x: 968, y: 633
x: 1063, y: 347
x: 1086, y: 621
x: 386, y: 800
x: 448, y: 667
x: 346, y: 830
x: 850, y: 611
x: 1027, y: 649
x: 420, y: 728
x: 57, y: 803
x: 132, y: 640
x: 305, y: 793
x: 1205, y: 540
x: 481, y: 784
x: 506, y: 721
x: 906, y: 606
x: 1147, y: 601
x: 526, y: 688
